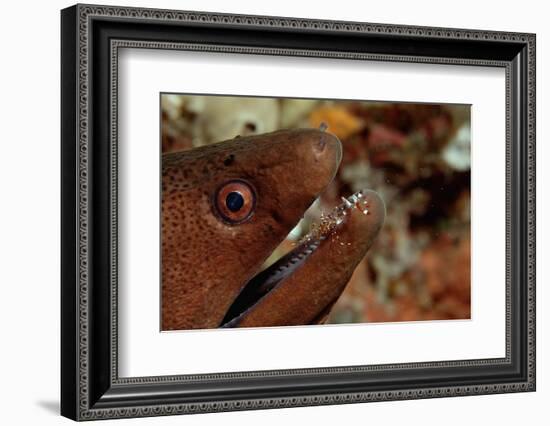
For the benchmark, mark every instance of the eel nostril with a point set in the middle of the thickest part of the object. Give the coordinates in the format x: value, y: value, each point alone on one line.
x: 320, y: 144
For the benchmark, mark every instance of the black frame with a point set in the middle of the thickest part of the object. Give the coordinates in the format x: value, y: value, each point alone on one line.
x: 91, y: 37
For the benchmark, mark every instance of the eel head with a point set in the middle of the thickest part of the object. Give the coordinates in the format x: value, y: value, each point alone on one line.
x: 225, y: 209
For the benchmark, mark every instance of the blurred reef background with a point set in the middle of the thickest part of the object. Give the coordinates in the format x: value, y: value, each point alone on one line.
x: 417, y: 156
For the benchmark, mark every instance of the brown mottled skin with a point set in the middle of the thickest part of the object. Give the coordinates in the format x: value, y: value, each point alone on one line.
x: 206, y: 262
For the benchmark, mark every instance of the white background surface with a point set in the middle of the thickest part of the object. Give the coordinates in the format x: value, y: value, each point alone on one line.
x: 143, y: 351
x: 29, y: 225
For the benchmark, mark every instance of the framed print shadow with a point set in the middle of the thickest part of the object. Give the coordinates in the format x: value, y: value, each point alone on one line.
x: 263, y: 212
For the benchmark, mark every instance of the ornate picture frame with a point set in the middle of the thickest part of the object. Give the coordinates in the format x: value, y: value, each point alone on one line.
x: 91, y: 39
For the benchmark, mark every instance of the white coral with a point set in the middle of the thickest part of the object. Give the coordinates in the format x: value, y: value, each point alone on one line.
x: 457, y: 153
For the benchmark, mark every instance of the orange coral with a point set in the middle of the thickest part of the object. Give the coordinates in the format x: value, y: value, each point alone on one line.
x: 339, y: 120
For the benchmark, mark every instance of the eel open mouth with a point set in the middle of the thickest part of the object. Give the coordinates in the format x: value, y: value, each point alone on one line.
x: 306, y: 282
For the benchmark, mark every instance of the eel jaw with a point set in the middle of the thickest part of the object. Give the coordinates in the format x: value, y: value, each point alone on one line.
x: 302, y: 286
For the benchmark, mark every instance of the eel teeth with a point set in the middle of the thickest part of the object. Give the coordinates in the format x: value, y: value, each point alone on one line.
x: 328, y: 222
x: 347, y: 203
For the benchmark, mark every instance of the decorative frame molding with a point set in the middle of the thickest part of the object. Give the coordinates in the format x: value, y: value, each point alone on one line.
x: 91, y: 388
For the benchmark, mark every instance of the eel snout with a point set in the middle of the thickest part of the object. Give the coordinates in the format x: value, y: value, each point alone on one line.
x: 291, y: 171
x: 302, y: 287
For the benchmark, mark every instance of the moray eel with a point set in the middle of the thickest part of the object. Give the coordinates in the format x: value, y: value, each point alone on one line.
x: 227, y: 206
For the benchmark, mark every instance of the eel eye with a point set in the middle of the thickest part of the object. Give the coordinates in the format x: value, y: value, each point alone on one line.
x: 235, y: 201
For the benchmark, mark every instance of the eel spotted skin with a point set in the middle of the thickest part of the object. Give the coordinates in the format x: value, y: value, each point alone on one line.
x: 227, y: 206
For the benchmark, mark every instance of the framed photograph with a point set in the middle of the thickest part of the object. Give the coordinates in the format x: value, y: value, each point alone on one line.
x: 263, y: 212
